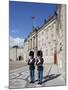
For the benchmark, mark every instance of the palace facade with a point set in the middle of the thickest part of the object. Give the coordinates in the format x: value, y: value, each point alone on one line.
x: 50, y: 38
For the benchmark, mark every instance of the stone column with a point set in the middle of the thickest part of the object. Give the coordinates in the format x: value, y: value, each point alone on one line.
x: 31, y: 43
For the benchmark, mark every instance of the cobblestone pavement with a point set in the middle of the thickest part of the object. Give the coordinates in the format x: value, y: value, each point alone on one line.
x: 19, y: 78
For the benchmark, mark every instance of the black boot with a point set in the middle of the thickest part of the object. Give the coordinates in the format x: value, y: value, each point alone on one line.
x: 40, y: 82
x: 31, y: 81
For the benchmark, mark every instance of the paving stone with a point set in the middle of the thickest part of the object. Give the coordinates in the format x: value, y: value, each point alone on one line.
x: 20, y: 78
x: 18, y: 84
x: 13, y: 75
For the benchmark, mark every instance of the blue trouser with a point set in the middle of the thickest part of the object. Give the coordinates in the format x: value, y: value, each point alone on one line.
x: 40, y: 75
x: 32, y: 75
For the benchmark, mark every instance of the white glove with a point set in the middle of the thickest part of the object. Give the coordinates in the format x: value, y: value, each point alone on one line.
x: 30, y: 60
x: 38, y: 61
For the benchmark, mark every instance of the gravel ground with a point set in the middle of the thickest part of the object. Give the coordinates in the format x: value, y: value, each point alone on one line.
x: 16, y: 64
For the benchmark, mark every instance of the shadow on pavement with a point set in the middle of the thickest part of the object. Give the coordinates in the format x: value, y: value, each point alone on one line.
x: 50, y: 77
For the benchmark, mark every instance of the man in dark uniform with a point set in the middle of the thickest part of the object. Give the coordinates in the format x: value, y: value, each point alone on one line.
x: 31, y: 63
x: 39, y: 63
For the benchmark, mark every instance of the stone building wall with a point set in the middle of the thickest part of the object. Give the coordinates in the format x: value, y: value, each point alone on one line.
x: 61, y: 38
x: 14, y: 54
x: 20, y: 55
x: 26, y: 50
x: 47, y: 40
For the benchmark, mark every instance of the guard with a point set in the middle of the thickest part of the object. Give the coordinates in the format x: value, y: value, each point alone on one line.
x: 39, y: 63
x: 31, y: 63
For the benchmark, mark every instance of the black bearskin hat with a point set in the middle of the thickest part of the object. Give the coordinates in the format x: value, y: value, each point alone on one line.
x: 31, y: 53
x: 39, y: 53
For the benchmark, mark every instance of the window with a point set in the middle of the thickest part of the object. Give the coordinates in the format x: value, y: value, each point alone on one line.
x: 51, y: 27
x: 52, y: 35
x: 39, y: 43
x: 46, y: 34
x: 46, y: 52
x: 42, y: 40
x: 33, y: 42
x: 42, y: 33
x: 28, y: 45
x: 60, y: 46
x: 51, y: 51
x: 44, y: 44
x: 46, y: 37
